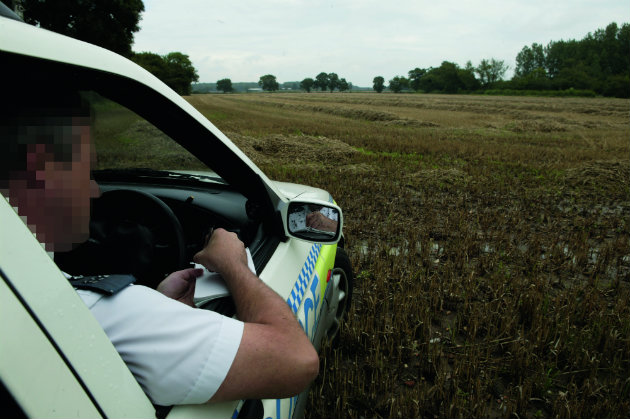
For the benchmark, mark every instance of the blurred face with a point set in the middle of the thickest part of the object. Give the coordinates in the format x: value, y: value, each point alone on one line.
x: 57, y: 205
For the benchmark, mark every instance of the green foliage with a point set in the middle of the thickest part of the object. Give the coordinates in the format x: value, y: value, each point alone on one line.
x: 225, y: 85
x: 467, y: 79
x: 333, y: 81
x: 268, y: 83
x: 343, y: 85
x: 599, y: 62
x: 109, y: 24
x: 378, y: 84
x: 529, y: 60
x: 212, y: 87
x: 617, y: 85
x: 547, y: 93
x: 398, y: 83
x: 151, y: 62
x: 321, y: 81
x: 414, y: 77
x: 174, y: 69
x: 447, y: 78
x: 181, y: 72
x: 307, y: 84
x: 491, y: 71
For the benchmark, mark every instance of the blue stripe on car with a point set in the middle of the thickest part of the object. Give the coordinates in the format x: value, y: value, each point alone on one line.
x: 301, y: 285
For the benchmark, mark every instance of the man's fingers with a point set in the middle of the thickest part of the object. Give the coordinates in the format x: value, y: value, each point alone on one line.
x: 190, y: 274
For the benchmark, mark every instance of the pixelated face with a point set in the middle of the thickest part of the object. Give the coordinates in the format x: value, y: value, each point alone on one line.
x: 56, y: 205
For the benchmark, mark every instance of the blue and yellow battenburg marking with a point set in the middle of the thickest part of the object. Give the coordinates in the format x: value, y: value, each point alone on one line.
x: 301, y: 285
x: 320, y: 260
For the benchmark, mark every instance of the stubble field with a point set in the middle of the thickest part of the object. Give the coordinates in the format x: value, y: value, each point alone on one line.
x: 490, y: 240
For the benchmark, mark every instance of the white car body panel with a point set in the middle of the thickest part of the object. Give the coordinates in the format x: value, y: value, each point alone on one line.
x: 55, y: 304
x: 293, y: 191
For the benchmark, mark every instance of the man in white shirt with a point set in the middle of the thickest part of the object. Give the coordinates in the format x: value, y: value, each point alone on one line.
x: 179, y: 354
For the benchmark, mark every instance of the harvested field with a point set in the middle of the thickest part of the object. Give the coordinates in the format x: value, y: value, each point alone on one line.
x: 490, y: 239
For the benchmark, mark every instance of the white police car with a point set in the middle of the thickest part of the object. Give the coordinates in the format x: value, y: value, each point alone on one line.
x: 55, y: 360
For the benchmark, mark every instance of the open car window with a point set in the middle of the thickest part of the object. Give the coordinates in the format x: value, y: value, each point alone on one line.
x: 128, y: 146
x: 124, y: 139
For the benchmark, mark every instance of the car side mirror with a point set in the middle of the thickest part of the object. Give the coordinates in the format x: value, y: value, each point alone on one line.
x: 314, y: 221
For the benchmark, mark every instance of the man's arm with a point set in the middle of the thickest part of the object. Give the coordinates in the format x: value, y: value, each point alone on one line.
x: 275, y: 358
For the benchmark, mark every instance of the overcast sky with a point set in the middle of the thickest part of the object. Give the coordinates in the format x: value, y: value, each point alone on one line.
x: 359, y: 39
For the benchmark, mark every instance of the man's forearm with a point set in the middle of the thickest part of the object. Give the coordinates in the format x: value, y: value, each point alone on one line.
x: 255, y: 301
x: 275, y: 358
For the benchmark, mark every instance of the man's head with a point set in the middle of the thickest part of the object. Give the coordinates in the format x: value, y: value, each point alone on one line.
x: 45, y: 158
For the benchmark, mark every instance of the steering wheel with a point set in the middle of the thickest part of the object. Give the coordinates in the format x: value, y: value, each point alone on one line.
x: 131, y: 232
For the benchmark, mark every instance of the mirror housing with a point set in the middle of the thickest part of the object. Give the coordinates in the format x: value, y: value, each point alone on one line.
x: 313, y: 220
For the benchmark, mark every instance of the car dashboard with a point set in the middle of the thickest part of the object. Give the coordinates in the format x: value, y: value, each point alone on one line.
x: 122, y: 225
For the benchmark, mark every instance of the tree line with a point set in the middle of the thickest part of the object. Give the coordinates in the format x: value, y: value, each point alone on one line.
x: 597, y: 64
x: 323, y: 81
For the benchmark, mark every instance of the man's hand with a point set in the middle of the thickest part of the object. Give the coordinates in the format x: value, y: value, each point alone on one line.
x: 222, y: 252
x: 180, y: 285
x: 320, y: 222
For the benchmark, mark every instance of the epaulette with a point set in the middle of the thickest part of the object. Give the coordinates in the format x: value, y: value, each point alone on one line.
x: 105, y: 284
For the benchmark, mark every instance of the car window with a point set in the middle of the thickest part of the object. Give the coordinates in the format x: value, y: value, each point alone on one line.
x: 125, y: 140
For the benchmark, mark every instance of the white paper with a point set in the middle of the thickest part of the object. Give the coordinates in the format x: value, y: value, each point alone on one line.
x: 211, y: 284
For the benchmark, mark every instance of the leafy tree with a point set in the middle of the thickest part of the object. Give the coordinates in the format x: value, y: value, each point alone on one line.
x: 529, y: 59
x: 333, y: 81
x: 378, y: 84
x: 414, y: 77
x: 449, y: 78
x: 181, y: 72
x: 268, y: 82
x: 556, y: 53
x: 307, y: 84
x: 490, y: 71
x: 109, y: 24
x: 321, y: 81
x: 398, y: 83
x: 225, y: 85
x: 153, y: 63
x: 468, y: 81
x: 344, y: 85
x: 444, y: 78
x: 174, y: 69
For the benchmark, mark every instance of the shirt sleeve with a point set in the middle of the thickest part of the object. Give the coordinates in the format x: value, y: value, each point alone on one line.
x: 178, y: 354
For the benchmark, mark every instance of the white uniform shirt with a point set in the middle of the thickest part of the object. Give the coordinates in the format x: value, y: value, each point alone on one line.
x: 178, y: 354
